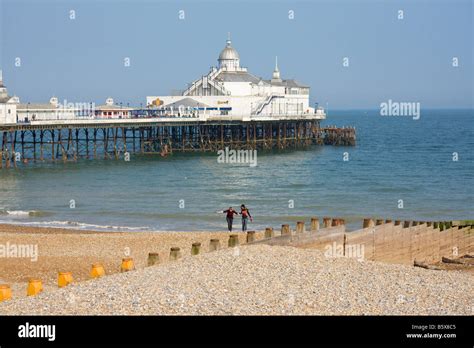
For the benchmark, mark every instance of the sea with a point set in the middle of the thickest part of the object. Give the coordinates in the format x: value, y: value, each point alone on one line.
x: 401, y: 168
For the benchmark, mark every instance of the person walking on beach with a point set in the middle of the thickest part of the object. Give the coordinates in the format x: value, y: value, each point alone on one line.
x: 230, y: 217
x: 245, y: 217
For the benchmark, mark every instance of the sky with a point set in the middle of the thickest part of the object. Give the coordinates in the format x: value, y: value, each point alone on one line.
x: 83, y: 59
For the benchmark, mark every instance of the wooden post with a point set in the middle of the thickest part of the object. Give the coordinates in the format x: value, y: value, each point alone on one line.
x: 344, y: 242
x: 5, y: 292
x: 97, y: 270
x: 379, y: 222
x: 250, y: 236
x: 326, y: 222
x: 153, y: 259
x: 368, y: 223
x: 269, y: 232
x: 388, y: 221
x: 35, y: 286
x: 406, y: 224
x: 233, y: 241
x: 300, y: 227
x: 196, y: 248
x: 127, y: 264
x: 397, y: 222
x: 64, y: 279
x: 285, y: 230
x: 214, y: 245
x: 314, y: 224
x: 175, y: 253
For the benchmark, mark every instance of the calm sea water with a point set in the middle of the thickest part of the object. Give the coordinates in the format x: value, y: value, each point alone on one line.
x: 396, y: 158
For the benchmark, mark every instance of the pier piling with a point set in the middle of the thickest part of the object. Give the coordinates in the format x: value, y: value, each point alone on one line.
x: 52, y: 141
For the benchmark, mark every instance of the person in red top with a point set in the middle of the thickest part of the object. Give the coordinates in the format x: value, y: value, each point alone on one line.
x: 230, y: 217
x: 245, y: 217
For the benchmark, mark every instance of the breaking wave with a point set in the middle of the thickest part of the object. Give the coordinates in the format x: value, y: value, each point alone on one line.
x: 81, y: 226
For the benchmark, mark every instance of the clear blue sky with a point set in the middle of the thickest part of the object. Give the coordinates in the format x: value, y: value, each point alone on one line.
x: 82, y: 59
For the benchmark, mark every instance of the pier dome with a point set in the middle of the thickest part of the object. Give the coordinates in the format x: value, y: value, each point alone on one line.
x: 229, y: 57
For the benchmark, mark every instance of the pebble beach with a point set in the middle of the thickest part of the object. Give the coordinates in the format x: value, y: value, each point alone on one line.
x: 247, y: 280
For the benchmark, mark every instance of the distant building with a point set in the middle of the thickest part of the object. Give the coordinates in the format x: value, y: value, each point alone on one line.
x: 109, y: 110
x: 8, y: 104
x: 230, y: 89
x: 53, y: 110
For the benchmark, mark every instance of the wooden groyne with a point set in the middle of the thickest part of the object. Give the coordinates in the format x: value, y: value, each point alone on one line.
x: 24, y: 143
x: 402, y: 242
x: 405, y: 242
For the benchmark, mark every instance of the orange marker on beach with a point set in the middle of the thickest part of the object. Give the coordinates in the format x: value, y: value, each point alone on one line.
x: 97, y: 270
x: 34, y: 287
x: 5, y: 292
x: 64, y: 278
x: 127, y: 265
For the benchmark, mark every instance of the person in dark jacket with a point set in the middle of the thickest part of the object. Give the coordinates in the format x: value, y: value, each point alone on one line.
x: 245, y: 217
x: 230, y: 217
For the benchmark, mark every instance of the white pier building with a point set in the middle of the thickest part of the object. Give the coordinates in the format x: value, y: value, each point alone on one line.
x: 230, y: 89
x: 227, y: 92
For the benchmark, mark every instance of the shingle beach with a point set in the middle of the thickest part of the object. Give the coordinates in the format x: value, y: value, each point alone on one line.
x: 251, y: 280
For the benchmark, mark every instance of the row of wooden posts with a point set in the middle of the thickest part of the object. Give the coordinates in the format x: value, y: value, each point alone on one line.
x: 442, y: 225
x: 35, y: 286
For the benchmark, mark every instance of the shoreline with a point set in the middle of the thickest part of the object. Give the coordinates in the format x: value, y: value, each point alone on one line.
x: 61, y: 250
x: 285, y: 279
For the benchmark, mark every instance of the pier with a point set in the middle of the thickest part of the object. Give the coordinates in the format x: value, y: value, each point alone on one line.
x: 51, y: 141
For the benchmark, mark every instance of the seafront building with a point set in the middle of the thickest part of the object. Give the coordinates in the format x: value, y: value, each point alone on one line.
x: 226, y: 91
x: 230, y: 89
